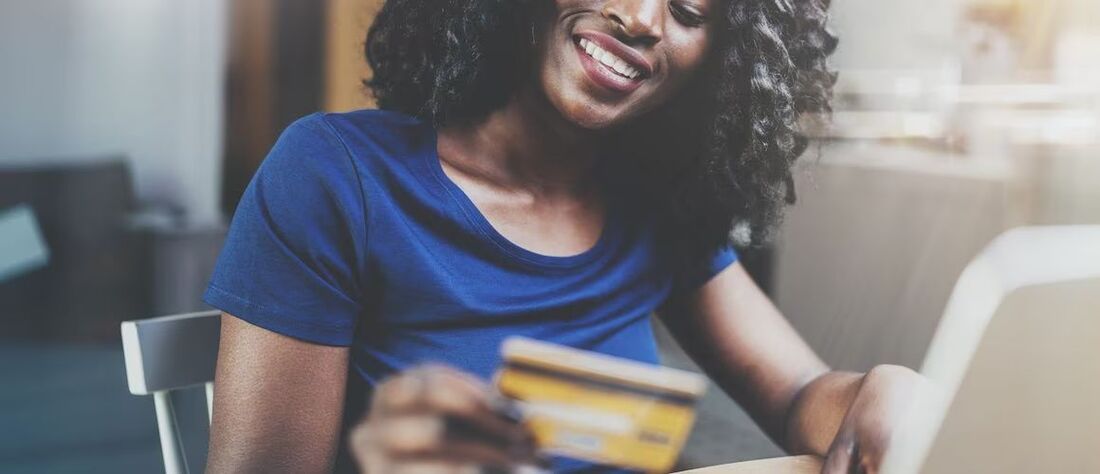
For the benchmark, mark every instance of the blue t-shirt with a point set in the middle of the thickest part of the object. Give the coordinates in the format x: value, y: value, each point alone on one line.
x: 350, y: 234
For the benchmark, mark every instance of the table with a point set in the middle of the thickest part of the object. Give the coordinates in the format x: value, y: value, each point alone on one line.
x: 784, y: 465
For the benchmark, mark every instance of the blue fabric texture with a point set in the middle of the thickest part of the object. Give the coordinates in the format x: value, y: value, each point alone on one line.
x: 350, y: 234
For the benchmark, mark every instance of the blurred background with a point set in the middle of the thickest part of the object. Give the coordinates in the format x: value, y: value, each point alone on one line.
x: 129, y: 128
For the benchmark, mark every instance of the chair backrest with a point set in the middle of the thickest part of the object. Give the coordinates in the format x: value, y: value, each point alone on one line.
x: 1017, y: 360
x: 166, y: 354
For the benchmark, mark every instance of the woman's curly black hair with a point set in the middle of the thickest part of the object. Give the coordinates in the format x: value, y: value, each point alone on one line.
x: 720, y: 156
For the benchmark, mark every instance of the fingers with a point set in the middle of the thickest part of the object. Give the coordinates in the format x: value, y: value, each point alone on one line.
x: 425, y: 442
x: 842, y: 454
x: 413, y: 438
x: 431, y: 386
x: 436, y: 419
x: 855, y: 460
x: 846, y: 456
x: 472, y: 409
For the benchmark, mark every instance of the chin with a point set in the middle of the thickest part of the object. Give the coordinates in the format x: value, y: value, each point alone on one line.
x: 588, y: 113
x: 583, y: 104
x: 594, y: 121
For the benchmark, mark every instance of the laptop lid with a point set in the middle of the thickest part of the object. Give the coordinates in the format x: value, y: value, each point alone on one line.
x: 1015, y: 363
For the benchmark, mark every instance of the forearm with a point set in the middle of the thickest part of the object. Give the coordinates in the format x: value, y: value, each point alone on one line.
x: 817, y: 411
x: 734, y: 332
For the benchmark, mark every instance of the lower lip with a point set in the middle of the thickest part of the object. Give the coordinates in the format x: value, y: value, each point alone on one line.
x: 605, y: 77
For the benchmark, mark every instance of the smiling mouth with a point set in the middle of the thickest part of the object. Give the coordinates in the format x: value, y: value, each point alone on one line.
x: 609, y: 60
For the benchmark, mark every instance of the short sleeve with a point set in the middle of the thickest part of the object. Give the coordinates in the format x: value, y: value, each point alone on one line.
x: 293, y: 257
x: 694, y: 276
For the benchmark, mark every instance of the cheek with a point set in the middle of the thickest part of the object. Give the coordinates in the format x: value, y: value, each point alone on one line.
x: 558, y: 87
x: 688, y: 59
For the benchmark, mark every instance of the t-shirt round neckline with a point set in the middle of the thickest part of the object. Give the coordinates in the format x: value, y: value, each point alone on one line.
x: 476, y: 218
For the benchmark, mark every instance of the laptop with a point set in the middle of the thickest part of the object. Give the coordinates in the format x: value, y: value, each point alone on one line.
x: 1014, y: 363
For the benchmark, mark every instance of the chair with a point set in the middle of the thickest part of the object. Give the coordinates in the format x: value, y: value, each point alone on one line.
x: 167, y: 354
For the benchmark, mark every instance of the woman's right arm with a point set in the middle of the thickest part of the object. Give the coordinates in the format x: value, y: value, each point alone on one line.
x: 278, y: 406
x: 278, y: 402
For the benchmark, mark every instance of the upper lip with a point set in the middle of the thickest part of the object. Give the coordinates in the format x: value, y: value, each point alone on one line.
x: 616, y: 47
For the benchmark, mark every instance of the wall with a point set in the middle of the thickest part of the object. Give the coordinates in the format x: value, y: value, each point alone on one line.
x: 902, y: 35
x: 348, y: 21
x: 141, y: 78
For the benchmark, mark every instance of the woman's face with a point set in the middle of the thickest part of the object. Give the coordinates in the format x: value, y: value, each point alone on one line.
x: 604, y: 62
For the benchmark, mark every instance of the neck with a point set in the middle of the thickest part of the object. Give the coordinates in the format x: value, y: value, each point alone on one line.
x: 525, y: 146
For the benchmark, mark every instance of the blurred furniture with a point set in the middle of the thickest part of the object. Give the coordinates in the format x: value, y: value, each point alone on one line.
x: 95, y: 276
x: 181, y: 260
x: 167, y: 354
x: 22, y: 248
x: 867, y: 258
x: 900, y: 223
x: 784, y: 465
x: 111, y: 257
x: 1016, y: 362
x: 1063, y: 179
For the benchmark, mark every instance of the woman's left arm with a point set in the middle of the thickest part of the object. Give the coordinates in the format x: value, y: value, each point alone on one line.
x: 735, y: 333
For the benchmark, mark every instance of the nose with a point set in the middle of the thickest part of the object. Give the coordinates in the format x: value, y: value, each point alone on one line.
x: 640, y: 20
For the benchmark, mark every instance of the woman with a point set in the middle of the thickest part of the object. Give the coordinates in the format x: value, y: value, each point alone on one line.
x: 558, y: 170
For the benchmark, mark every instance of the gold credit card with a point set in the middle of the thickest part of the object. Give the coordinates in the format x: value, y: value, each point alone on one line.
x: 600, y: 408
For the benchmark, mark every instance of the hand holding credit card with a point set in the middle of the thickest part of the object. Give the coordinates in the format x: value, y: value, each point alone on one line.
x: 600, y: 408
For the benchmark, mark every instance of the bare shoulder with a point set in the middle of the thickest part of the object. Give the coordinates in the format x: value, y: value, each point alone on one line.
x: 278, y: 401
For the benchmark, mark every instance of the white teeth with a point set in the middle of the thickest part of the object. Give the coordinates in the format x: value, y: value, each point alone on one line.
x: 618, y: 65
x: 621, y: 67
x: 605, y: 57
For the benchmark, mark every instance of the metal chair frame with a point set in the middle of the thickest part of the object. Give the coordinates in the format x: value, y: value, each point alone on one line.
x: 167, y: 354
